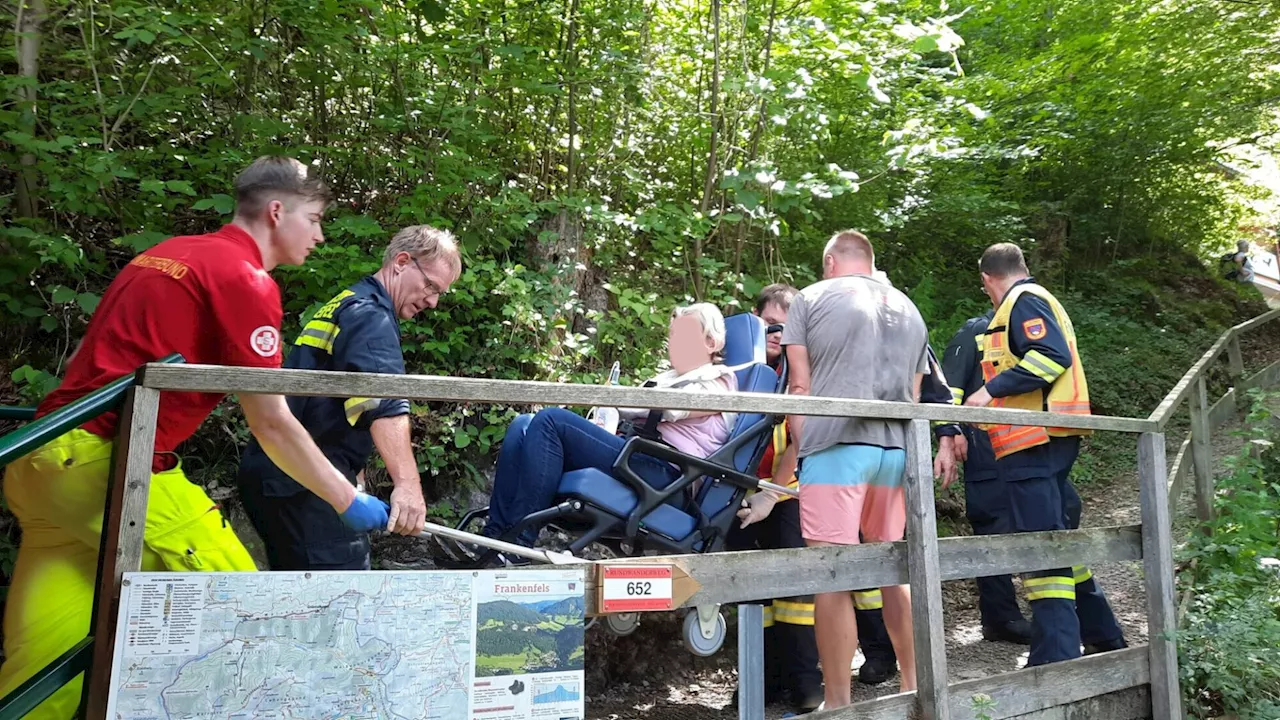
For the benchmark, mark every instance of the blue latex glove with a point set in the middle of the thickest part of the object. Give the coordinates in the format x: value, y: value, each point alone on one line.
x: 366, y: 513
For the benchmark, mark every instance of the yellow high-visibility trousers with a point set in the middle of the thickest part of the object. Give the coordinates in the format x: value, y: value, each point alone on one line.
x: 57, y: 493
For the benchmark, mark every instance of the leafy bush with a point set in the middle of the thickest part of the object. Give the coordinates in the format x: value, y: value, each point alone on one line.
x: 1230, y: 639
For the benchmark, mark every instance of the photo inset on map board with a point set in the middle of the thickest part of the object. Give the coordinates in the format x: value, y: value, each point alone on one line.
x: 528, y: 626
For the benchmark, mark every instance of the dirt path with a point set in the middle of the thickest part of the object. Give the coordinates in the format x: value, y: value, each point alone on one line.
x: 694, y: 689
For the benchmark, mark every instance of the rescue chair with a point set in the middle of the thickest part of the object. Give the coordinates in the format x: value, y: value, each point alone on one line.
x: 691, y: 515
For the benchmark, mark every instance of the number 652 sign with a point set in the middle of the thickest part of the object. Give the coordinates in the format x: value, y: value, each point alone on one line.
x: 637, y: 588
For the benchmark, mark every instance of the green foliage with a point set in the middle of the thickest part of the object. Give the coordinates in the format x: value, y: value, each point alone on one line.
x: 1230, y: 637
x: 33, y: 384
x: 982, y: 705
x: 603, y: 162
x: 504, y: 641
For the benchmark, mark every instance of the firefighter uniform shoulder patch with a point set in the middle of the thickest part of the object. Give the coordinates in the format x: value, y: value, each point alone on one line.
x: 1034, y: 328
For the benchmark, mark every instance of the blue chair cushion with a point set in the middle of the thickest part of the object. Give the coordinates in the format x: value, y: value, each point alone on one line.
x: 599, y: 488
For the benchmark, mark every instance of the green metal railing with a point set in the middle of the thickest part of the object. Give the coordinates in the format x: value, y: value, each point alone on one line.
x: 67, y: 666
x: 8, y: 412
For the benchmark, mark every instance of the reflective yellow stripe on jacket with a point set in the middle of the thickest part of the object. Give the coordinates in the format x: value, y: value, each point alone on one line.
x: 1068, y: 390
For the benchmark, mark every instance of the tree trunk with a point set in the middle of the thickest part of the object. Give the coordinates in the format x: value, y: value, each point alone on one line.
x: 28, y: 28
x: 584, y: 277
x: 757, y: 133
x: 709, y: 184
x: 570, y: 80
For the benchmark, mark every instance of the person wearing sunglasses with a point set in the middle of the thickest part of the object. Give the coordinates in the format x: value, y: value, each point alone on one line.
x: 356, y: 331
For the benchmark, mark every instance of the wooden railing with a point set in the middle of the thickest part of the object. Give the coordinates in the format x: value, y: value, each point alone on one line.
x: 1195, y: 455
x: 1145, y: 677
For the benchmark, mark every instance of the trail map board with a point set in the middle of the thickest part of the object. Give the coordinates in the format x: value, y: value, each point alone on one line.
x: 497, y: 645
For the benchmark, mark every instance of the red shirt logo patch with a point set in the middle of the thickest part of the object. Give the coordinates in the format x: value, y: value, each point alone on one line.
x: 1034, y: 328
x: 265, y: 340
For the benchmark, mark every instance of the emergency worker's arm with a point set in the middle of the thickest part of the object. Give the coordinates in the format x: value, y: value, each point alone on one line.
x: 245, y: 311
x: 408, y: 508
x: 759, y: 505
x: 785, y: 472
x: 1036, y: 338
x: 960, y: 363
x: 959, y: 360
x: 952, y: 447
x: 935, y: 390
x: 287, y: 443
x: 369, y: 341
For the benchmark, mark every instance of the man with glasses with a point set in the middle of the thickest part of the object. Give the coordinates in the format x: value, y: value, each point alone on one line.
x: 356, y: 331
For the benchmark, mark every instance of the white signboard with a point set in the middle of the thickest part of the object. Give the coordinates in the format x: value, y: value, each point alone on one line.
x: 497, y: 645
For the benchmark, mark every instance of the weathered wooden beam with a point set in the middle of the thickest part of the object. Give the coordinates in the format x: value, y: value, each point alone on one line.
x: 124, y: 527
x: 925, y: 576
x: 734, y: 577
x: 1253, y: 323
x: 1131, y: 704
x: 985, y: 555
x: 1267, y: 377
x: 1235, y: 360
x: 214, y: 378
x: 1223, y: 411
x: 1178, y: 473
x: 1022, y: 692
x: 1202, y: 451
x: 1164, y: 411
x: 1157, y: 565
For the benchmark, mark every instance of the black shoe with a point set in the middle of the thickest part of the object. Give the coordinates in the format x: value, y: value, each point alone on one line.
x: 1108, y: 646
x: 1017, y: 632
x: 806, y: 696
x: 876, y: 671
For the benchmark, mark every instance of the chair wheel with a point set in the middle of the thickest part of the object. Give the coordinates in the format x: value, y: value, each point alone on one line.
x: 622, y: 624
x: 696, y: 643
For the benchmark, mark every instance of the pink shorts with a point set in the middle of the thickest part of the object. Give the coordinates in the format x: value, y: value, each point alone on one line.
x: 852, y: 493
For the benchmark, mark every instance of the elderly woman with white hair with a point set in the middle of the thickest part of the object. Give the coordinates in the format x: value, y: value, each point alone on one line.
x: 539, y: 449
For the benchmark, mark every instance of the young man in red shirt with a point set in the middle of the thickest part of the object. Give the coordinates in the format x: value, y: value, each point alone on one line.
x: 208, y: 297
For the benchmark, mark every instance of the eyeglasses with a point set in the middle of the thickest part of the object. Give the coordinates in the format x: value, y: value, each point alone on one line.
x: 433, y: 290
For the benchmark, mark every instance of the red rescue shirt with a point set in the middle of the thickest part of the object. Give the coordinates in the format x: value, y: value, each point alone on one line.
x: 205, y: 296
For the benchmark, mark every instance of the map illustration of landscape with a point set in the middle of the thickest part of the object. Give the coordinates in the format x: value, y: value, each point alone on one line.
x: 291, y: 645
x: 535, y: 635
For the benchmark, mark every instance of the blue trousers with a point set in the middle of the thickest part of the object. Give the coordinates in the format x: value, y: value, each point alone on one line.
x: 538, y: 450
x: 1098, y: 624
x: 987, y: 506
x: 1067, y: 606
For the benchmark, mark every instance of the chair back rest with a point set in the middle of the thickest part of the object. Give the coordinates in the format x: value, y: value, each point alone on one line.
x: 744, y: 350
x: 744, y: 345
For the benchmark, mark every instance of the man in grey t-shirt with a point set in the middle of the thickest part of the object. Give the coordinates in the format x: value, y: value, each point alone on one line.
x: 853, y: 336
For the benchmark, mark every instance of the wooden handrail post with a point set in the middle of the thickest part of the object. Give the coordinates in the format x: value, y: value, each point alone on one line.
x: 1234, y: 359
x: 1202, y: 451
x: 924, y: 573
x: 130, y: 484
x: 1157, y: 564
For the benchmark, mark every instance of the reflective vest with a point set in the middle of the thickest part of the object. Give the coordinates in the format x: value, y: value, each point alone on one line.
x: 1069, y: 393
x: 779, y: 447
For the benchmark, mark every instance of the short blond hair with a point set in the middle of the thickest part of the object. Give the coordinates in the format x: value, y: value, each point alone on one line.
x: 711, y: 319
